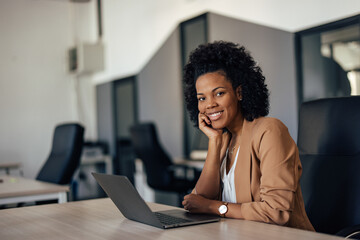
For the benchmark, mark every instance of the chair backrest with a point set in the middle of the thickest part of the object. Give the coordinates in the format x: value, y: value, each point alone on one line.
x: 148, y: 148
x: 329, y: 146
x: 65, y: 154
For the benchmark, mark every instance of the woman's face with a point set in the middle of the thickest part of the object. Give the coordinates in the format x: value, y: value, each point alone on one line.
x: 218, y: 100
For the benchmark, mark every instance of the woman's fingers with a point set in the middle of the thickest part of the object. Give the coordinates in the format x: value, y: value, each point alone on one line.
x: 187, y: 202
x: 184, y: 203
x: 204, y: 118
x: 194, y: 203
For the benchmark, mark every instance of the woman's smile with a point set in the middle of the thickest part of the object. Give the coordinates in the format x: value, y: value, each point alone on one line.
x: 214, y: 116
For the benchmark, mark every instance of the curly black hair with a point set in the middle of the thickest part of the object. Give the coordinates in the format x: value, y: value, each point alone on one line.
x: 240, y: 69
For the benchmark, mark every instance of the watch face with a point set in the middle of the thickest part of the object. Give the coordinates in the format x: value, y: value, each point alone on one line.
x: 223, y: 209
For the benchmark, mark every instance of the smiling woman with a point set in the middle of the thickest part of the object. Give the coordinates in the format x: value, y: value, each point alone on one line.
x: 252, y: 169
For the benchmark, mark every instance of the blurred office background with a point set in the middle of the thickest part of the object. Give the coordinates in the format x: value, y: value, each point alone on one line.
x: 108, y: 64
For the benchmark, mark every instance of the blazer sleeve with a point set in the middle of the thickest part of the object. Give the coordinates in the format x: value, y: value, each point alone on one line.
x: 277, y: 154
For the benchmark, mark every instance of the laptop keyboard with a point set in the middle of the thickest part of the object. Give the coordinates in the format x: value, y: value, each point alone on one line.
x: 169, y: 220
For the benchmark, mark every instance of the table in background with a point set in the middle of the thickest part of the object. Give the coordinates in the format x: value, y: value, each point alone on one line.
x: 105, y: 159
x: 198, y: 164
x: 9, y: 165
x: 84, y: 185
x: 148, y: 194
x: 20, y: 190
x: 100, y: 219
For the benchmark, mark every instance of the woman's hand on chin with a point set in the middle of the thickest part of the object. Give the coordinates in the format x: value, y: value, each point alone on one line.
x: 205, y: 127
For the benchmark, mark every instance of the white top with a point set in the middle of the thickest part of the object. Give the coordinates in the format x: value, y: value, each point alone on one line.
x: 229, y: 193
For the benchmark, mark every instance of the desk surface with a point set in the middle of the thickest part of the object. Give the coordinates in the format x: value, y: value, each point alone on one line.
x: 17, y: 186
x: 21, y: 190
x: 100, y: 219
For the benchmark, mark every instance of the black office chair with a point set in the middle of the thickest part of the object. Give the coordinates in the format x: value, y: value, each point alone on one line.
x: 160, y: 170
x: 65, y: 154
x: 329, y: 146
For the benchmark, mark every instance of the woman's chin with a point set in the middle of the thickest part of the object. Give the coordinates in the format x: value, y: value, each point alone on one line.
x: 217, y: 126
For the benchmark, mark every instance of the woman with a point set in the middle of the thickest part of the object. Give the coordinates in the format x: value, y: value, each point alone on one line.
x: 252, y: 169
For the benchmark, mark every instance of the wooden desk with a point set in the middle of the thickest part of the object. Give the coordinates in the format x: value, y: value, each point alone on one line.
x: 100, y: 219
x: 17, y: 189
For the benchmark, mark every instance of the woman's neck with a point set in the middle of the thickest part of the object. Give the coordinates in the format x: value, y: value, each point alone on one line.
x: 236, y: 129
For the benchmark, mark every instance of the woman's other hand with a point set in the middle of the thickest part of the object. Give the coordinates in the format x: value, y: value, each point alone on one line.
x: 196, y: 203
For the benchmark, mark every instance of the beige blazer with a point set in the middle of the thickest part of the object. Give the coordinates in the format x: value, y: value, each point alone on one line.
x: 267, y: 175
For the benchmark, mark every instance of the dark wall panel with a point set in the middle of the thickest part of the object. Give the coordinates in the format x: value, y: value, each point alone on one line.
x: 105, y: 115
x: 160, y: 94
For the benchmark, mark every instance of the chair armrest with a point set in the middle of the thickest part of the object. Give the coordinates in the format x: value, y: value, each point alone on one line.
x: 352, y: 232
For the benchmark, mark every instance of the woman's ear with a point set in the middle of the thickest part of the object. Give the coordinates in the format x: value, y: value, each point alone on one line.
x: 238, y: 93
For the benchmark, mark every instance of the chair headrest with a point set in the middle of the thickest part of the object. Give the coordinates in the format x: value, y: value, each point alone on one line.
x: 330, y: 126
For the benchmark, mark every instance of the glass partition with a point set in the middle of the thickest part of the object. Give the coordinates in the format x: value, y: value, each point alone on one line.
x: 329, y: 60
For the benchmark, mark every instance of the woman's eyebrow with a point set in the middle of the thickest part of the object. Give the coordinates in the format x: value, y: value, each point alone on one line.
x: 217, y: 89
x: 211, y: 90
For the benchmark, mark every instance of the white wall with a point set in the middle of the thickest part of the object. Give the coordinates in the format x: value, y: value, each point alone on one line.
x: 36, y: 90
x: 135, y: 29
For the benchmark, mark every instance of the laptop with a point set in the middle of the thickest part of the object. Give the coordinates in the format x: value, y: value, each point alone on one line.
x: 133, y: 207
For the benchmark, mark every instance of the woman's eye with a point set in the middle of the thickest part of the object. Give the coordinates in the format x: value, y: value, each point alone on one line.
x: 200, y: 99
x: 219, y: 93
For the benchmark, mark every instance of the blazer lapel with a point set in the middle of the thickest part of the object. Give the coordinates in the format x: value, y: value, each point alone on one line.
x: 243, y: 166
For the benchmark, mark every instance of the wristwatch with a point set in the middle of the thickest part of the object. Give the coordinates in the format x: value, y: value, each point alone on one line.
x: 223, y: 209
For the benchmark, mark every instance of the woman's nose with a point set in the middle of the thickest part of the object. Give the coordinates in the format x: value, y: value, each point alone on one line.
x: 211, y: 103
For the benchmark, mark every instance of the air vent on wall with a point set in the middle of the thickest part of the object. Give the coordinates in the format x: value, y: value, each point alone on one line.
x: 87, y: 58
